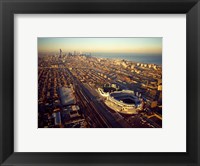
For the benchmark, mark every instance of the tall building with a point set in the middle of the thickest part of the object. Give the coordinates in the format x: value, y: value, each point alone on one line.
x: 60, y: 54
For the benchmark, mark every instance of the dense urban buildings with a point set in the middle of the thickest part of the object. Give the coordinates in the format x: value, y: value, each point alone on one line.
x: 79, y: 90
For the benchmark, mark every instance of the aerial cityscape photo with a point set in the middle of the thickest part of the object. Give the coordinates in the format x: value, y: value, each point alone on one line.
x: 107, y: 82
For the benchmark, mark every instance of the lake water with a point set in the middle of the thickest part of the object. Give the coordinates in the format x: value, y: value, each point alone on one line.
x: 154, y: 59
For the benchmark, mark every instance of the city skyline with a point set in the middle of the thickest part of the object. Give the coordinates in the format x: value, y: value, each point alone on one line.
x: 145, y: 46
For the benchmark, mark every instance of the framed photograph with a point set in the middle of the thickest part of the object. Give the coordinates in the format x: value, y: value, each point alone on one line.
x: 99, y: 82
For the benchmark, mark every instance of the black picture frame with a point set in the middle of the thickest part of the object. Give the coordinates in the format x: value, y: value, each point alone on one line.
x: 10, y: 7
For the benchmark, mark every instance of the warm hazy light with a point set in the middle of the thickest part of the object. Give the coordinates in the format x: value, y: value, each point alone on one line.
x: 148, y: 45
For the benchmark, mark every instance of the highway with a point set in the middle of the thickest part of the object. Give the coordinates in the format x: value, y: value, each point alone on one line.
x: 100, y: 108
x: 98, y: 111
x: 90, y: 111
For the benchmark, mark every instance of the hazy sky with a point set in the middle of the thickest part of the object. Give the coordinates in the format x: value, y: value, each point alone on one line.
x: 110, y: 45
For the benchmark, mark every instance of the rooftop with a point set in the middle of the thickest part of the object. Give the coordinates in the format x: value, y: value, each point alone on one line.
x: 67, y: 96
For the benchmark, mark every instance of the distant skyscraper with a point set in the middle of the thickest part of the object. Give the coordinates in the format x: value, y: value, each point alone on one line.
x: 60, y: 53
